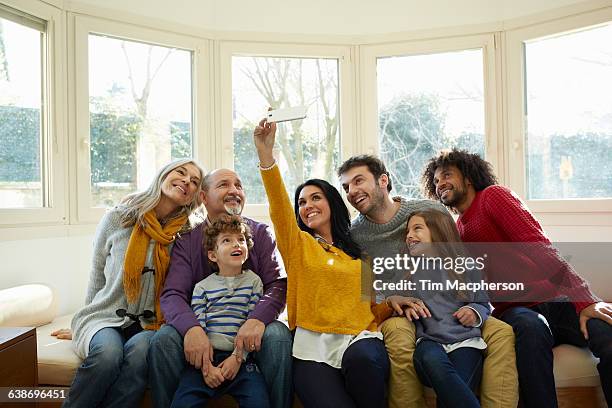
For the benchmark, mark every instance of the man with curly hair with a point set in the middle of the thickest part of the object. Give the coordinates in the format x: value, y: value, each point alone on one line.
x: 489, y: 212
x: 380, y: 230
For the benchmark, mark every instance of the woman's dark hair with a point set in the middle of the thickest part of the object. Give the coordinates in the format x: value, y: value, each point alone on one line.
x: 471, y: 166
x: 340, y: 218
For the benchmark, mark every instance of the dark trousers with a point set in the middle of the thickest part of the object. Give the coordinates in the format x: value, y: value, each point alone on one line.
x: 540, y: 328
x: 454, y: 376
x: 361, y: 382
x: 248, y: 387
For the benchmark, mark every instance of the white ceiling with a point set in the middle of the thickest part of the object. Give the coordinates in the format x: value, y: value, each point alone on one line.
x: 342, y: 17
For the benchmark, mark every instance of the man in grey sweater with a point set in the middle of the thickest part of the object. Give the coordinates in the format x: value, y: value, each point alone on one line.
x: 380, y: 230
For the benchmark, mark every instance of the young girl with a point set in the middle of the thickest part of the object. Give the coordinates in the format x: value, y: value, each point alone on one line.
x: 448, y: 355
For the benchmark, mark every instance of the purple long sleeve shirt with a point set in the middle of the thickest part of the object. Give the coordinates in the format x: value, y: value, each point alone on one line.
x: 189, y: 265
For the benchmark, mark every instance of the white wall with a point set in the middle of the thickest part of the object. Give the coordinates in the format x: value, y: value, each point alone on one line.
x: 62, y: 263
x: 342, y: 17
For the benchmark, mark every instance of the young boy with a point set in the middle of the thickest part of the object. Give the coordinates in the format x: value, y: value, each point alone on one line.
x: 222, y: 302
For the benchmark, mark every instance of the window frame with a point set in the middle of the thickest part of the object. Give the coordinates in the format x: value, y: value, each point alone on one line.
x: 82, y: 26
x: 346, y: 101
x: 517, y: 135
x: 491, y: 53
x: 53, y: 121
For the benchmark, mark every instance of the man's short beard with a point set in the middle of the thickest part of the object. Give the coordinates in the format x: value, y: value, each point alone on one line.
x: 233, y: 210
x: 458, y: 198
x: 377, y: 200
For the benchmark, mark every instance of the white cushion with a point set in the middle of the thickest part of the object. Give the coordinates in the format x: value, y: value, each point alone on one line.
x: 57, y: 361
x: 27, y: 305
x: 575, y: 367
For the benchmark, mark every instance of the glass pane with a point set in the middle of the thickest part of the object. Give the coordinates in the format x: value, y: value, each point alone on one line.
x: 20, y: 116
x: 569, y: 115
x: 140, y: 114
x: 425, y: 106
x: 308, y: 148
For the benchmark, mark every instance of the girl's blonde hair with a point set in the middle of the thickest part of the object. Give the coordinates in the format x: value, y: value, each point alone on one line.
x: 134, y: 206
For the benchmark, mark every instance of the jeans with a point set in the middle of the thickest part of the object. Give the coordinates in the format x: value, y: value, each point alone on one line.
x: 454, y: 376
x: 361, y: 382
x: 114, y: 374
x: 248, y: 387
x: 167, y: 361
x: 538, y: 329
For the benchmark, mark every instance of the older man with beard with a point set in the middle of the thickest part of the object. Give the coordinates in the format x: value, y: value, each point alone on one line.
x: 182, y: 340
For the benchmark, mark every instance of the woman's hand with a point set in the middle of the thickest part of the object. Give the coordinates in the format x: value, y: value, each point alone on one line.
x: 62, y: 334
x: 411, y: 307
x: 264, y: 136
x: 466, y: 316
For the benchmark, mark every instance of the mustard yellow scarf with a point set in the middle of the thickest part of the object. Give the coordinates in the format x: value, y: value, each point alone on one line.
x: 136, y: 254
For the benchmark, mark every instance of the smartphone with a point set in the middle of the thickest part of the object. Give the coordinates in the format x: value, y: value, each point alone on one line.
x: 286, y: 114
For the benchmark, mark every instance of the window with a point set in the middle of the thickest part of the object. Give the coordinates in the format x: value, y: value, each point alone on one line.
x: 139, y: 114
x: 427, y: 103
x: 22, y: 111
x: 308, y: 148
x: 568, y: 106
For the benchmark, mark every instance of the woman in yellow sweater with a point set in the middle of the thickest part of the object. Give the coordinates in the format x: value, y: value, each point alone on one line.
x: 339, y: 356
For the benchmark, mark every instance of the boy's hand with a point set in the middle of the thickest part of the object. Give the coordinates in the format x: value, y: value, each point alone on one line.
x: 215, y: 376
x: 466, y: 316
x: 230, y: 366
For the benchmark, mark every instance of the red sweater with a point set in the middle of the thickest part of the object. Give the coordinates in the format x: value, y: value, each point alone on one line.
x: 498, y: 215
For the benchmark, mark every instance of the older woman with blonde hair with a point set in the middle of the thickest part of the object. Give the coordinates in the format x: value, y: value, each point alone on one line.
x: 130, y: 260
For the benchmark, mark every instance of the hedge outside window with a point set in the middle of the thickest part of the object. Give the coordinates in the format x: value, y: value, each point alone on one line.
x: 308, y: 148
x: 140, y: 114
x: 21, y: 112
x: 568, y: 95
x: 427, y: 103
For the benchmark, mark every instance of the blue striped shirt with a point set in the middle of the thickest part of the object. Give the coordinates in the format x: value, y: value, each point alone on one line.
x: 223, y: 303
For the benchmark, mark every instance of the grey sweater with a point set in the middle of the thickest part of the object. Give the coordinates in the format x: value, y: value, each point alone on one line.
x: 105, y: 289
x: 442, y: 326
x: 389, y: 239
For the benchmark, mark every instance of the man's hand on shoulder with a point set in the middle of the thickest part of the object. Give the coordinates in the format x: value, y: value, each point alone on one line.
x: 599, y: 310
x: 249, y: 336
x: 198, y: 350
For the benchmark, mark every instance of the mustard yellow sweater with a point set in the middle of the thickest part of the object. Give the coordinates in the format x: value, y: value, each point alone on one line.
x: 323, y: 286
